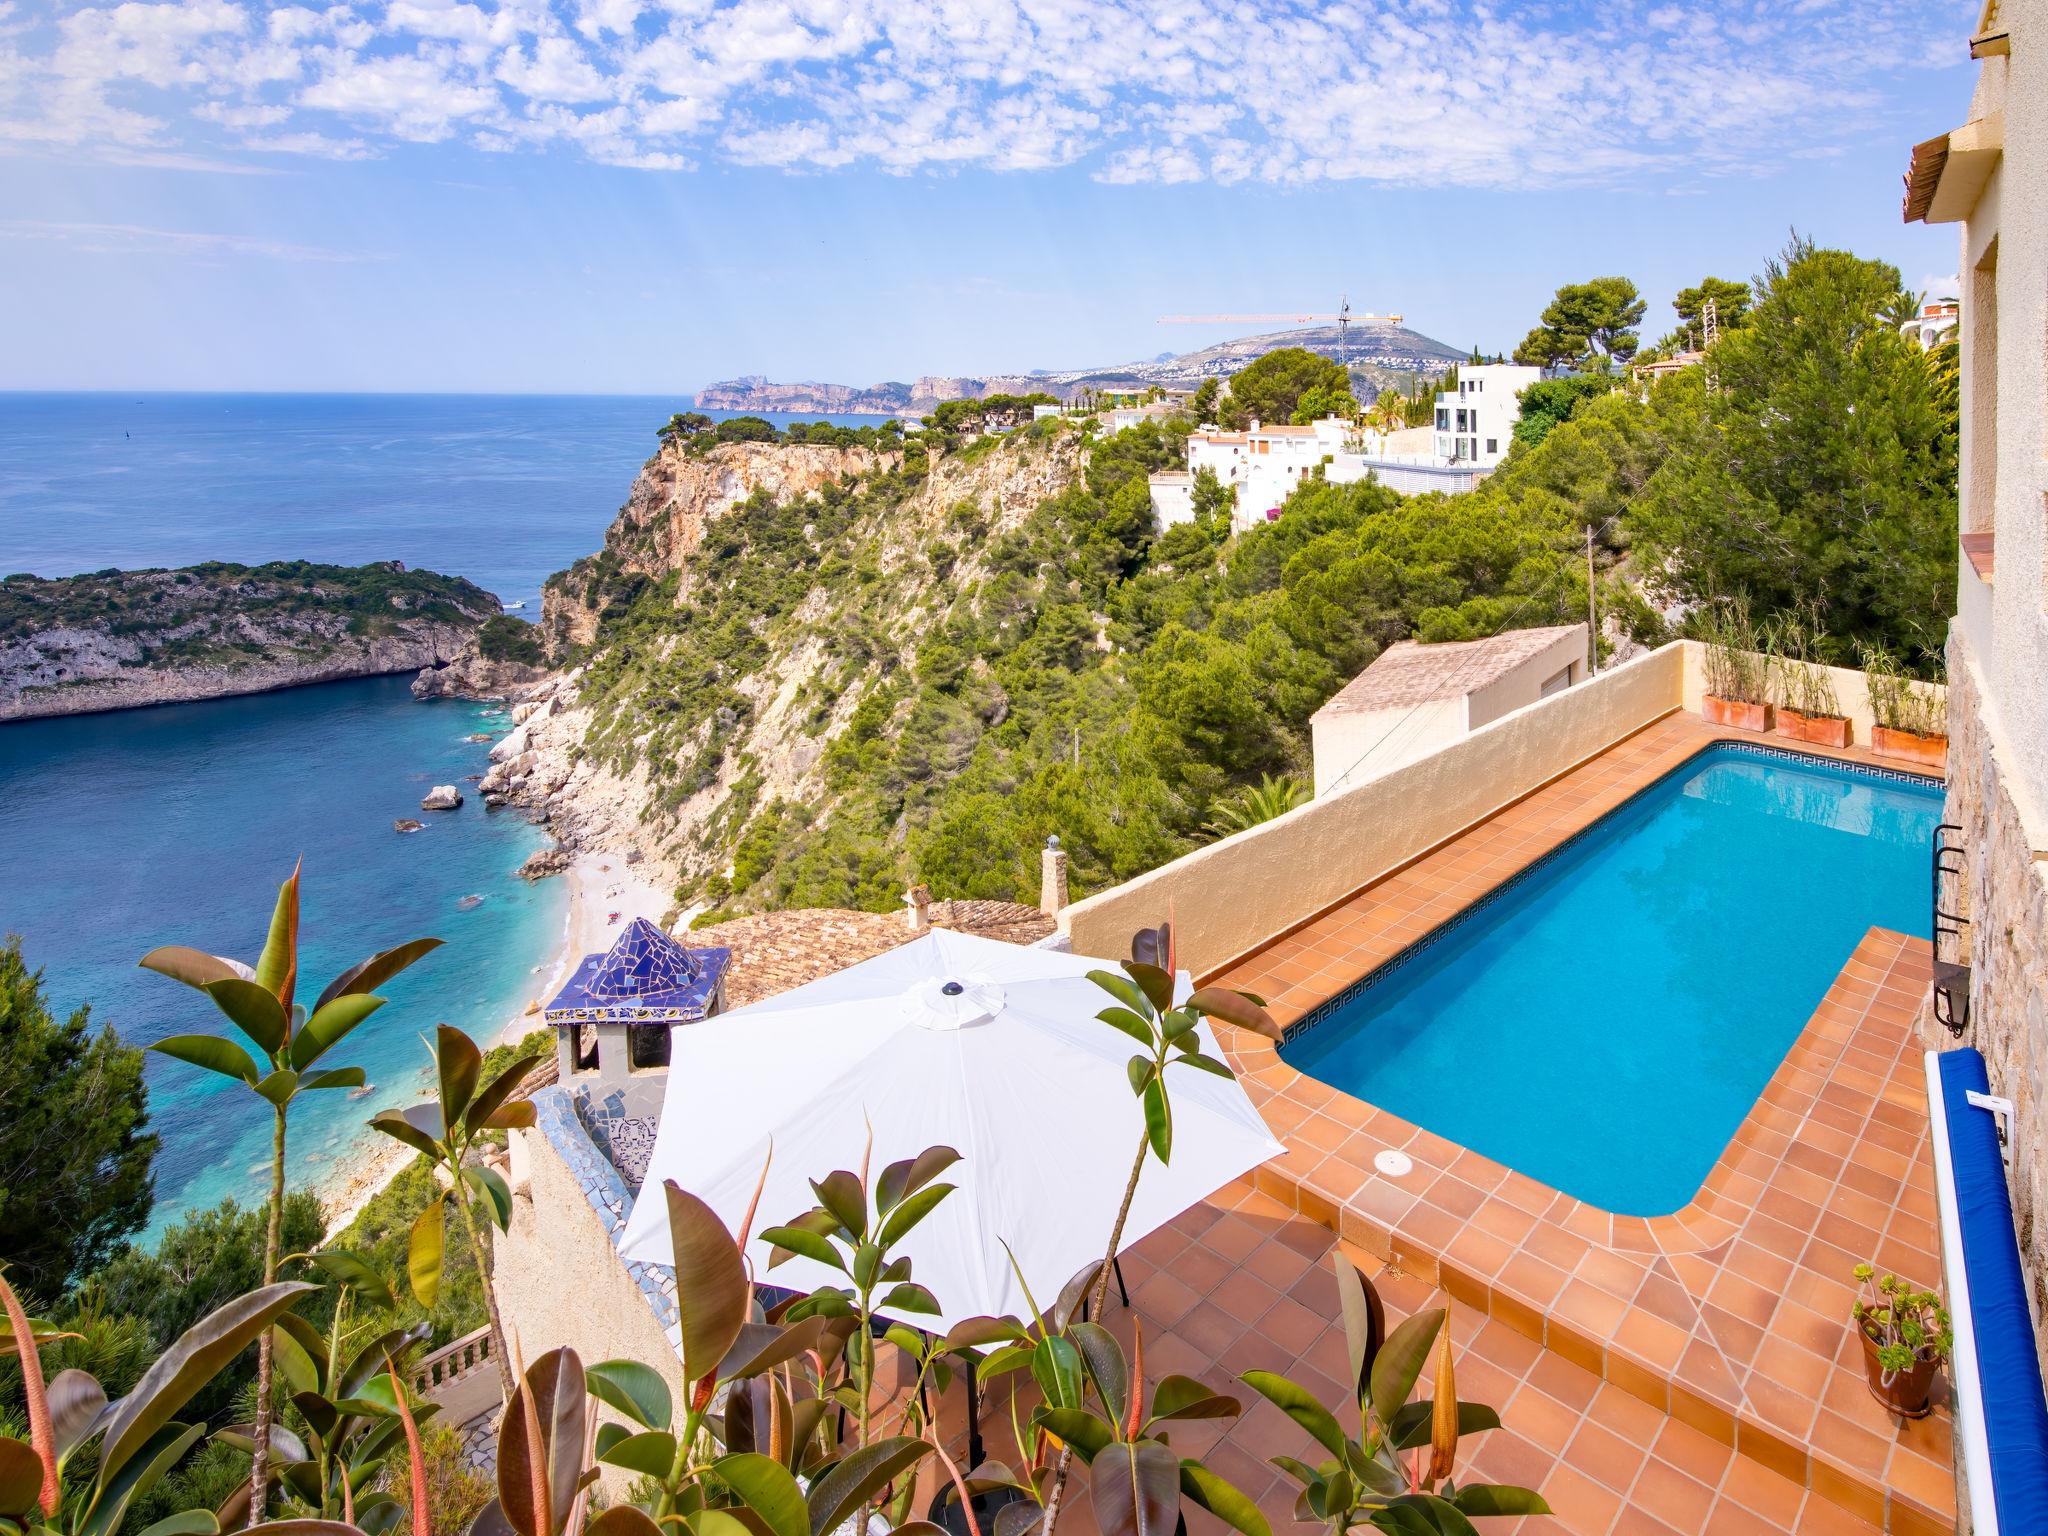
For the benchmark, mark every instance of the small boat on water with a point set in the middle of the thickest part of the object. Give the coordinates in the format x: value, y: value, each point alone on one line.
x: 515, y: 607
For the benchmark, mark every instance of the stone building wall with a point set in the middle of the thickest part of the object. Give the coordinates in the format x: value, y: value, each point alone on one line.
x: 559, y: 1276
x: 2008, y: 940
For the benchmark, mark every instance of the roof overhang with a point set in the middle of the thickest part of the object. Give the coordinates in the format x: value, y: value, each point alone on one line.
x: 1947, y: 174
x: 1992, y: 36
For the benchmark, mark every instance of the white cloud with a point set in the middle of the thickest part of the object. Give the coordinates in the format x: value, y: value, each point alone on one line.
x: 1420, y: 92
x: 123, y: 239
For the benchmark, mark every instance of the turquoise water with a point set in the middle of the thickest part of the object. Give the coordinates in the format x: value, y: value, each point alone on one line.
x: 1605, y: 1023
x: 175, y: 825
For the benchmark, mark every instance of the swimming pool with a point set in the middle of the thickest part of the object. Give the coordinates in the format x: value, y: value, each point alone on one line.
x: 1605, y: 1020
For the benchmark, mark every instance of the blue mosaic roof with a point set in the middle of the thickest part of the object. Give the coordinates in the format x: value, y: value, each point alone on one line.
x: 644, y: 978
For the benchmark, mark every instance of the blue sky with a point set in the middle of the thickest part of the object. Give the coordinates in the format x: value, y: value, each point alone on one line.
x: 646, y: 195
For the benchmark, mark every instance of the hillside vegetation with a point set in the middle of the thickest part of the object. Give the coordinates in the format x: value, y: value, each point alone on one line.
x: 979, y: 684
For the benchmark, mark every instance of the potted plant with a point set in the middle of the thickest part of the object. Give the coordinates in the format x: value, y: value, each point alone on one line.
x: 1906, y: 1336
x: 1738, y: 673
x: 1911, y: 715
x: 1808, y: 709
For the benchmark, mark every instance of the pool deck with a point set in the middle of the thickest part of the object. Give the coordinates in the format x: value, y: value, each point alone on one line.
x: 1729, y: 1316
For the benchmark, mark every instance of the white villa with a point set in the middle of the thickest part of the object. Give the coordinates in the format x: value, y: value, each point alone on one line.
x: 1475, y: 426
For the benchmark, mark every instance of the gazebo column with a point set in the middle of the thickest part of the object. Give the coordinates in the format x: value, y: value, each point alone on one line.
x: 614, y: 1064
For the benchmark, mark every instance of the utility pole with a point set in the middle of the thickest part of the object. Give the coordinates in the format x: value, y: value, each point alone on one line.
x: 1592, y: 611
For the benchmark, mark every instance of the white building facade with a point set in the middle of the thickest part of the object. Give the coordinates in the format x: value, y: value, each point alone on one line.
x: 1475, y: 424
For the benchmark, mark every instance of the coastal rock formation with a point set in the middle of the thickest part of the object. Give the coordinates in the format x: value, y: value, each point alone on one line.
x: 800, y: 695
x: 442, y: 797
x: 469, y: 675
x: 117, y: 639
x: 674, y: 498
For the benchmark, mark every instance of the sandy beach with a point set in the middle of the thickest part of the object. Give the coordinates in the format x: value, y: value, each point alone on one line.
x: 605, y: 894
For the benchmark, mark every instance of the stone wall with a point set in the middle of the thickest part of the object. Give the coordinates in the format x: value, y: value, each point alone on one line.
x: 559, y: 1276
x: 2008, y: 939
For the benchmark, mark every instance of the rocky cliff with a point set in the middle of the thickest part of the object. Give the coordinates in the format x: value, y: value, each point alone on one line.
x: 117, y: 639
x: 698, y: 699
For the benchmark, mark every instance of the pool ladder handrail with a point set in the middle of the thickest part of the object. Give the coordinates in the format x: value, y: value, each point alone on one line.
x: 1951, y: 1000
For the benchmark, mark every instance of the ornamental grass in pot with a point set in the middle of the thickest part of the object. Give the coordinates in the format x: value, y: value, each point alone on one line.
x: 1906, y: 1337
x: 1738, y: 673
x: 1808, y: 709
x: 1911, y: 715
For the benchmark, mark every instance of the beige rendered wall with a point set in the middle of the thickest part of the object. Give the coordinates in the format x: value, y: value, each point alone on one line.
x: 1524, y: 685
x: 1232, y: 896
x: 1350, y: 749
x: 560, y: 1282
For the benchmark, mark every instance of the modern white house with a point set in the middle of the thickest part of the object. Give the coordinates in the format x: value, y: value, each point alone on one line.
x: 1415, y: 699
x: 1476, y: 423
x: 1935, y: 324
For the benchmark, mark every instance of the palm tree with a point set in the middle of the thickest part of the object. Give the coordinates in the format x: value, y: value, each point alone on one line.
x: 1274, y: 795
x: 259, y: 1001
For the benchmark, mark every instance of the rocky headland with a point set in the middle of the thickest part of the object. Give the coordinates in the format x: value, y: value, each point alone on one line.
x: 576, y: 758
x: 119, y: 639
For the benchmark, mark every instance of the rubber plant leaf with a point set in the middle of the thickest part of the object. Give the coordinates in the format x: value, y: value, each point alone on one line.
x: 1159, y: 1120
x: 293, y: 1363
x: 21, y: 1481
x: 211, y: 1052
x: 329, y: 1023
x: 278, y: 1087
x: 634, y: 1389
x: 1235, y: 1008
x: 858, y: 1477
x: 77, y: 1403
x: 375, y: 971
x: 713, y: 1297
x: 1088, y: 1433
x: 252, y: 1010
x: 302, y: 1528
x: 1135, y: 1489
x: 623, y: 1520
x: 1154, y: 982
x: 333, y: 1077
x: 555, y: 1386
x: 898, y: 1224
x: 763, y: 1346
x: 1411, y: 1426
x: 497, y: 1194
x: 800, y: 1240
x: 1484, y: 1499
x: 840, y: 1193
x: 1401, y: 1360
x: 1123, y: 990
x: 1130, y: 1024
x: 459, y: 1062
x: 191, y: 1522
x: 766, y: 1487
x: 1104, y: 1360
x: 277, y: 968
x: 400, y: 1127
x: 651, y: 1453
x: 492, y: 1096
x: 972, y: 1332
x: 423, y: 1252
x: 1222, y: 1499
x: 1300, y: 1405
x: 912, y: 1174
x: 1183, y: 1397
x: 194, y: 967
x: 140, y: 1469
x: 1365, y: 1320
x: 194, y: 1359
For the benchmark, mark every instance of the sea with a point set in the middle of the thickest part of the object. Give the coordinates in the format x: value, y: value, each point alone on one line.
x: 175, y: 824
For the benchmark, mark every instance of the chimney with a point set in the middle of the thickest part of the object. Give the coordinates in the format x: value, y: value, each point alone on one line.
x: 1052, y: 877
x: 917, y: 903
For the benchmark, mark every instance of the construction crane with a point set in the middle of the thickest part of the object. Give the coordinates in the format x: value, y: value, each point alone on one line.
x: 1343, y: 319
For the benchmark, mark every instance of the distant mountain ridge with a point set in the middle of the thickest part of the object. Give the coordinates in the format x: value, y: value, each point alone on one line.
x: 1379, y: 354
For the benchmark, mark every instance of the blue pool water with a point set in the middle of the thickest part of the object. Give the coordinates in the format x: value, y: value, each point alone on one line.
x: 175, y: 825
x: 1605, y: 1023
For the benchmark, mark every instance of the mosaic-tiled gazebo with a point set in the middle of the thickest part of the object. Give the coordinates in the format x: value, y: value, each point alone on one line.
x: 613, y: 1017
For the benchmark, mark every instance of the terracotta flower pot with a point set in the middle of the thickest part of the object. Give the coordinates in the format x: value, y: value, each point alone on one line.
x: 1911, y: 747
x: 1910, y: 1391
x: 1731, y: 712
x: 1820, y: 730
